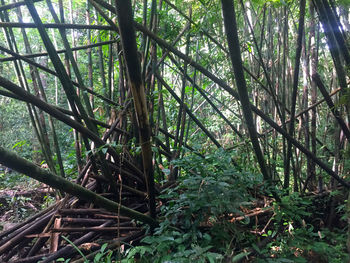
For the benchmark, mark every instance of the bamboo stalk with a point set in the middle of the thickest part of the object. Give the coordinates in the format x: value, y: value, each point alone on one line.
x: 92, y: 229
x: 58, y: 26
x: 42, y: 54
x: 11, y: 243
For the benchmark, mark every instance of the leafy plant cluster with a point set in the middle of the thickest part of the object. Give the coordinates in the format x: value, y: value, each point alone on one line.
x: 296, y: 238
x: 304, y: 245
x: 194, y: 225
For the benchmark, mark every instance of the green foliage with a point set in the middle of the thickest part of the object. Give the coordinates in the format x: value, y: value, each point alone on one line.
x: 307, y: 245
x: 344, y: 3
x: 212, y: 186
x: 193, y: 225
x: 17, y: 205
x: 13, y: 117
x: 104, y: 148
x: 103, y: 256
x: 63, y: 260
x: 292, y: 208
x: 278, y: 3
x: 13, y: 180
x: 344, y: 99
x: 294, y: 240
x: 161, y: 249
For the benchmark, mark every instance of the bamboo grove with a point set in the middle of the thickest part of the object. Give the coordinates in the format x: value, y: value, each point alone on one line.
x: 137, y: 84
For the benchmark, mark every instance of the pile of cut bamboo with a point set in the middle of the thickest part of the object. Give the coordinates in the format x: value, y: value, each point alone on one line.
x: 49, y: 235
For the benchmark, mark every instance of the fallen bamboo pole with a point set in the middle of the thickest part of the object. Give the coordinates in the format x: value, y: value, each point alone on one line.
x: 10, y: 244
x: 93, y: 229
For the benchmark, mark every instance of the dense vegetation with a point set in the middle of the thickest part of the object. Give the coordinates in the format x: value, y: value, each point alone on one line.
x: 219, y: 128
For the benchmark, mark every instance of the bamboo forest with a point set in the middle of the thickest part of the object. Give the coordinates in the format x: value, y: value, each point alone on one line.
x: 170, y: 131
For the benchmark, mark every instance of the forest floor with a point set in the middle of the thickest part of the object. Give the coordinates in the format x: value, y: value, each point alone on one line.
x: 20, y: 202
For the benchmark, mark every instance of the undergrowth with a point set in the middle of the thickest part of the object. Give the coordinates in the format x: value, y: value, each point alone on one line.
x: 197, y: 221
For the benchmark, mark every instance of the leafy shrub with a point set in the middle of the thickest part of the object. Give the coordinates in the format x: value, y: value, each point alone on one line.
x: 307, y: 245
x: 298, y: 241
x: 193, y: 222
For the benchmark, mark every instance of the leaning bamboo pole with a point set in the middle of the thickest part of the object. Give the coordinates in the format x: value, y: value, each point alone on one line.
x: 17, y: 163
